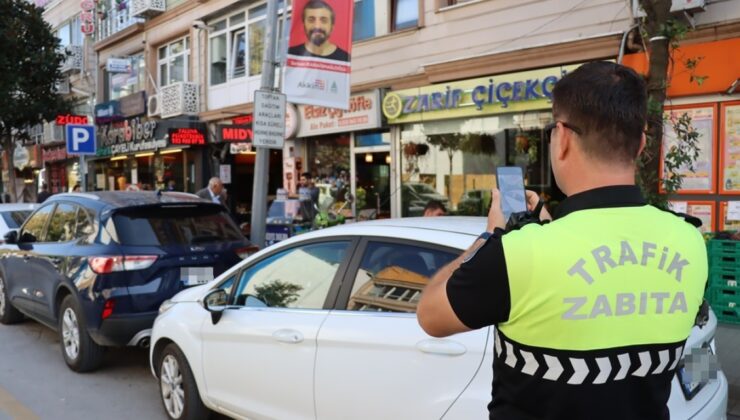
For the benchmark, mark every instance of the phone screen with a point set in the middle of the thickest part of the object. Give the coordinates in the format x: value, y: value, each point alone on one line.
x: 511, y: 185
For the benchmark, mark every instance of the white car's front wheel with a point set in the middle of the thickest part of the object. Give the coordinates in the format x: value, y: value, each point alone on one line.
x: 177, y: 387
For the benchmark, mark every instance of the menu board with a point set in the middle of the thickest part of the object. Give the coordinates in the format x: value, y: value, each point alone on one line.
x: 701, y: 179
x: 729, y: 157
x: 703, y: 210
x: 730, y: 219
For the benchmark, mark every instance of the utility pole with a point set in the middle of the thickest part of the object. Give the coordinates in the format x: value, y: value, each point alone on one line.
x: 262, y: 160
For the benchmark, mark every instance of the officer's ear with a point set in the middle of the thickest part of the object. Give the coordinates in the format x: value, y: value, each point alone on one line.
x: 564, y: 144
x: 643, y: 141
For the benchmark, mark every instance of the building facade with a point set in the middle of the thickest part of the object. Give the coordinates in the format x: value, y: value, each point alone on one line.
x: 464, y: 87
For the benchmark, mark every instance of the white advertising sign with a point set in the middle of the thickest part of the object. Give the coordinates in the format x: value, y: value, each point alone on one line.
x: 268, y: 128
x: 118, y: 65
x: 363, y: 114
x: 733, y: 211
x: 225, y: 173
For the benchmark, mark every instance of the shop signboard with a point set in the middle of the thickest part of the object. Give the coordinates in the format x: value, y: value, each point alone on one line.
x: 317, y: 66
x: 87, y: 16
x: 128, y: 136
x: 26, y: 156
x: 240, y: 148
x: 107, y: 112
x: 506, y: 93
x: 234, y: 133
x: 363, y: 114
x: 729, y: 157
x: 118, y: 65
x: 54, y: 154
x: 71, y: 119
x: 185, y: 136
x: 133, y: 105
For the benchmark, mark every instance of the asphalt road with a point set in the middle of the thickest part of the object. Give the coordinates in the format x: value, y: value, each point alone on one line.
x: 36, y: 384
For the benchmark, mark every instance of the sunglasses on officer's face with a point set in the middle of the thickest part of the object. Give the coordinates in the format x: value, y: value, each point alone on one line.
x: 549, y: 127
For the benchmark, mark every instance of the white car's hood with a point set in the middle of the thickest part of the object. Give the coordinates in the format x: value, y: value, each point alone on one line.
x: 192, y: 294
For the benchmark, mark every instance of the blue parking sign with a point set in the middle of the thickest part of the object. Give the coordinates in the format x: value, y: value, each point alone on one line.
x: 80, y: 139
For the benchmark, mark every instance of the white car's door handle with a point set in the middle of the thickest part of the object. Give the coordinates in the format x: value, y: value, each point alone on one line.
x: 446, y: 347
x: 288, y: 336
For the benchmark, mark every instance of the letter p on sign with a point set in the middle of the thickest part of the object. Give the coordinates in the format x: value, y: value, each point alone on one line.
x: 80, y: 139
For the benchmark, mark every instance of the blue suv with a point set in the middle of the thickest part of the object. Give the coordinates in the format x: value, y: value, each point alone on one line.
x: 96, y: 266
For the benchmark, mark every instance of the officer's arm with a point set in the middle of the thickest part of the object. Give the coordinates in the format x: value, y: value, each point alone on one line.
x: 434, y: 312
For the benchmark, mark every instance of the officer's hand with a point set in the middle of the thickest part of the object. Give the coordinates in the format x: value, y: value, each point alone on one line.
x: 532, y: 200
x: 495, y: 214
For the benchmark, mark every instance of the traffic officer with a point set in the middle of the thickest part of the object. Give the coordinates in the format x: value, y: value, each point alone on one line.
x: 593, y: 309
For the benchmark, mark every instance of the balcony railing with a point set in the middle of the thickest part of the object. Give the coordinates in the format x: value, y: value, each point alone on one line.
x: 180, y: 98
x: 114, y: 20
x: 147, y: 8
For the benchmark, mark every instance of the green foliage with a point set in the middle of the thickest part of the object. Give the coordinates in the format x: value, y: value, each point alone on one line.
x: 277, y: 293
x: 30, y: 61
x: 681, y: 155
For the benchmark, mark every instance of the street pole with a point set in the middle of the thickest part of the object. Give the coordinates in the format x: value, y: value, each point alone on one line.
x: 262, y: 160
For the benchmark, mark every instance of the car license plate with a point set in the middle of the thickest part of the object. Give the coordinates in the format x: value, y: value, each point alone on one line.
x: 698, y: 367
x: 193, y: 276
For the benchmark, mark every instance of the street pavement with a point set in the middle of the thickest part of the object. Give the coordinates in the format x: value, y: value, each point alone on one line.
x: 36, y: 384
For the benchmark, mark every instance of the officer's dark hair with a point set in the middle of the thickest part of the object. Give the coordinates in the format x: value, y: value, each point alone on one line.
x: 317, y: 4
x: 435, y: 205
x: 608, y: 103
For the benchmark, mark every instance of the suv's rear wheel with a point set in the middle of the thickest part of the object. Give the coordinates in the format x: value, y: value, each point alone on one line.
x: 179, y: 391
x: 80, y: 352
x: 8, y: 314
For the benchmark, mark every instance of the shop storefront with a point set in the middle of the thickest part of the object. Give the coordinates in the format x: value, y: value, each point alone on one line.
x: 26, y: 165
x: 135, y: 152
x: 57, y: 170
x: 347, y: 152
x: 451, y: 137
x: 711, y: 191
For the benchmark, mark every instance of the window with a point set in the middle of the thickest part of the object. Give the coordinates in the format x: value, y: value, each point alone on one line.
x: 363, y: 26
x: 70, y: 33
x: 163, y: 226
x: 34, y: 228
x: 392, y: 276
x: 62, y: 224
x: 405, y: 14
x: 124, y: 84
x: 237, y: 44
x: 15, y: 218
x: 174, y: 62
x: 297, y: 278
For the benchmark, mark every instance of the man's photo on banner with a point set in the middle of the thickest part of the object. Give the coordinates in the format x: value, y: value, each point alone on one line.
x: 320, y: 30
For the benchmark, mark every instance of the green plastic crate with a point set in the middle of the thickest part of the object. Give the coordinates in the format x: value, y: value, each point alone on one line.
x: 724, y: 279
x: 726, y: 295
x: 722, y: 262
x: 727, y: 311
x: 720, y: 245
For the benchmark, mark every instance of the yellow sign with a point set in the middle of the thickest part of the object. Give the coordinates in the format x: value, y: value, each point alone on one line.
x: 513, y: 92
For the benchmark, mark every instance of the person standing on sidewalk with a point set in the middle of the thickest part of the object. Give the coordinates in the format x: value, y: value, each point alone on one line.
x: 593, y: 309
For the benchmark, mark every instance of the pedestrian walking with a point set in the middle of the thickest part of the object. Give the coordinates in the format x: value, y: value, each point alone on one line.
x: 44, y: 194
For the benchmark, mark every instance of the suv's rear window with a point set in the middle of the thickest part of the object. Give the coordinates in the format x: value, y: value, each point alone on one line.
x: 175, y: 225
x: 14, y: 219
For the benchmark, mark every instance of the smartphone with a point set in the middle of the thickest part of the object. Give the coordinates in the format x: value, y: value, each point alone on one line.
x: 510, y: 180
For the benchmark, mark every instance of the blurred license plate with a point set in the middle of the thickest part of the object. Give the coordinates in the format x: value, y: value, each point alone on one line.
x: 698, y: 367
x: 193, y: 276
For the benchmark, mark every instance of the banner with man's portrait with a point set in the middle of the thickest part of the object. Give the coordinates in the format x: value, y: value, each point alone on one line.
x: 317, y: 66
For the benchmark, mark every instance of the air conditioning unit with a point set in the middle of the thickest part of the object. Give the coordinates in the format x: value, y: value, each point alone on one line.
x: 53, y: 133
x: 153, y: 108
x: 147, y: 8
x: 180, y: 98
x: 677, y: 6
x: 73, y: 62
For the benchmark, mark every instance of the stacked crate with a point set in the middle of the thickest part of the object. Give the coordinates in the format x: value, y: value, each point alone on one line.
x: 724, y: 280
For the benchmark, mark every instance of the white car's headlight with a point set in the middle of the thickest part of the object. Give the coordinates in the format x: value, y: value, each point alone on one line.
x: 166, y: 305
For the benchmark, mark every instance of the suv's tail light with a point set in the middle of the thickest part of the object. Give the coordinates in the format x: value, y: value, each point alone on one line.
x: 108, y: 308
x: 247, y: 251
x: 109, y: 264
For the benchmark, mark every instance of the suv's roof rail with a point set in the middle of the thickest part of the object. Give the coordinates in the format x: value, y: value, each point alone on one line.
x: 77, y: 194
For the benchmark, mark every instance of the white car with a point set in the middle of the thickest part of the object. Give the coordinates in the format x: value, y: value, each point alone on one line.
x: 12, y: 216
x: 322, y: 326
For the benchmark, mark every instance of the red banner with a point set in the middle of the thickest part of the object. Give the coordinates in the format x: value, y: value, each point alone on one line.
x: 318, y: 63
